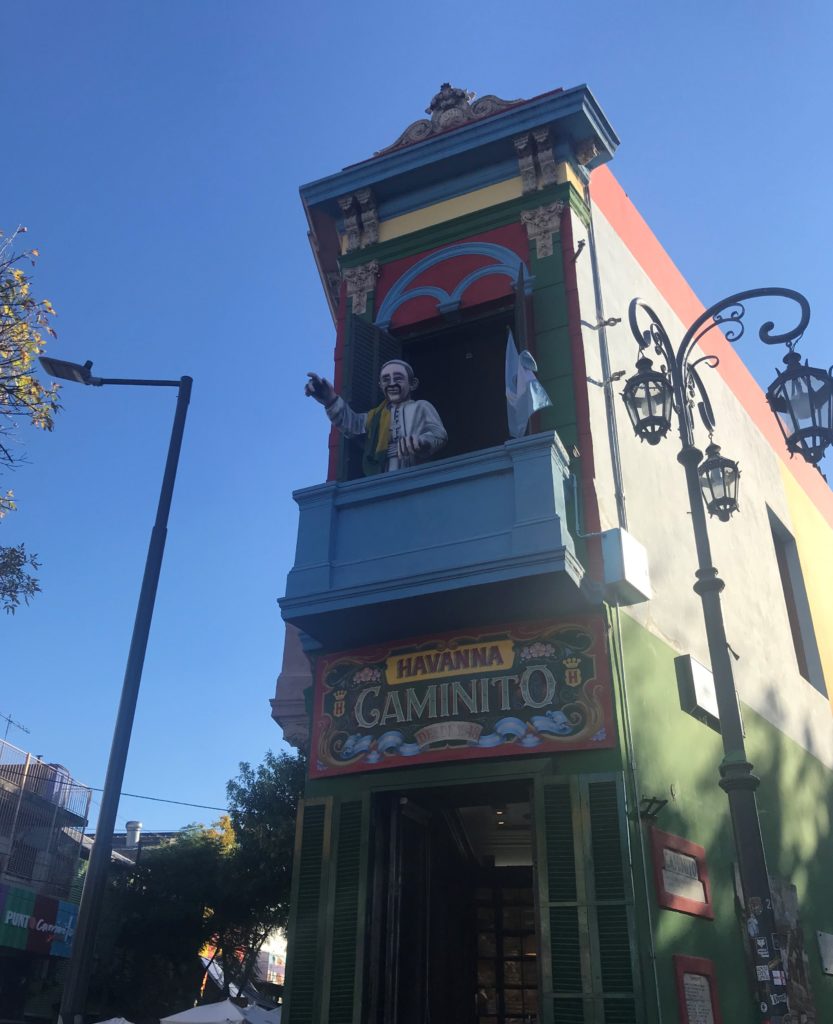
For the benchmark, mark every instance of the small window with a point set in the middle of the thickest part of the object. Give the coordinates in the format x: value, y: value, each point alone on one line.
x: 798, y: 607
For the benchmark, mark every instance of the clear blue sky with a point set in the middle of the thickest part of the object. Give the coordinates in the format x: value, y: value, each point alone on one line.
x: 154, y: 149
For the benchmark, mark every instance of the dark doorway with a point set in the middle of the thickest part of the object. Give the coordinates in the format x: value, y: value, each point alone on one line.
x: 461, y: 372
x: 453, y: 937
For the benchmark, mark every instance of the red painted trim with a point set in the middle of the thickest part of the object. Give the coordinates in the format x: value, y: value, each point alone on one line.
x: 666, y: 841
x: 696, y: 965
x: 628, y: 224
x: 590, y: 506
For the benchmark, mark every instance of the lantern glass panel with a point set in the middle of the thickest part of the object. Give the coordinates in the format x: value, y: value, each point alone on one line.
x: 719, y: 480
x: 802, y: 399
x: 647, y: 397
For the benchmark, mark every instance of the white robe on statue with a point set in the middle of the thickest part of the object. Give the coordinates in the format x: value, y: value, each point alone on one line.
x: 414, y: 417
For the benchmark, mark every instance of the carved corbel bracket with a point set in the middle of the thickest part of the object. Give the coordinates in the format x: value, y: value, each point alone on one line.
x: 361, y: 219
x: 586, y: 150
x: 361, y: 282
x: 542, y: 225
x: 535, y: 160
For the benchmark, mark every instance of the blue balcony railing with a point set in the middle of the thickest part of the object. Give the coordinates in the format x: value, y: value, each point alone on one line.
x: 475, y: 539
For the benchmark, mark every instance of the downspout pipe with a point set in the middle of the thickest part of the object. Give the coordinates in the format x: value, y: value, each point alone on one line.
x: 607, y: 383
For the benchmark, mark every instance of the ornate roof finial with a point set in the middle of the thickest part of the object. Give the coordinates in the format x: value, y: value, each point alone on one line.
x: 450, y: 108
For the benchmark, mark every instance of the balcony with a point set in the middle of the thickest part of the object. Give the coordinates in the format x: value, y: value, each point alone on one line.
x: 476, y: 539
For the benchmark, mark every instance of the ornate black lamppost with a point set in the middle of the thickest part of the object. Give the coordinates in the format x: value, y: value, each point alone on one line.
x: 802, y: 399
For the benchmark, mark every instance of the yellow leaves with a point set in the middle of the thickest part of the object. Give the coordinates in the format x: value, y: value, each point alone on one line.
x: 7, y: 503
x: 24, y: 324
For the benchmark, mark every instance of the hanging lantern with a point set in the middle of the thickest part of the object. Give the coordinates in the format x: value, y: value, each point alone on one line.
x: 647, y: 397
x: 719, y: 478
x: 802, y: 399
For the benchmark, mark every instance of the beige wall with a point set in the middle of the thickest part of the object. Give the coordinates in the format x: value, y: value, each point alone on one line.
x: 757, y: 627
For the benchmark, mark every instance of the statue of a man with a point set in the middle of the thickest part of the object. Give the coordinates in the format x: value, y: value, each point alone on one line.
x: 399, y: 432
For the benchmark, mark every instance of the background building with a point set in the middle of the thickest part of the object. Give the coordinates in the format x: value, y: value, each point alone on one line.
x: 513, y: 751
x: 43, y: 812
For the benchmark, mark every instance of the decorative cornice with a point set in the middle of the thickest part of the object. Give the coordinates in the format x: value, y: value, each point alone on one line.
x: 450, y: 108
x: 542, y: 224
x: 361, y: 282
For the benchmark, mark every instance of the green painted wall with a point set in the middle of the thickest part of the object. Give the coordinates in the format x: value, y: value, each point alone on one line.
x: 677, y: 759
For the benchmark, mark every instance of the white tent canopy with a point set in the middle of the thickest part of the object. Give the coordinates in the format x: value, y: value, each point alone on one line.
x: 226, y: 1012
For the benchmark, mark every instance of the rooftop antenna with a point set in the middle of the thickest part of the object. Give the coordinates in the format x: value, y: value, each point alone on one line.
x: 11, y: 722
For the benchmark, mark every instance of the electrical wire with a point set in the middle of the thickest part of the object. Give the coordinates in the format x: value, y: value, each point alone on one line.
x: 162, y: 800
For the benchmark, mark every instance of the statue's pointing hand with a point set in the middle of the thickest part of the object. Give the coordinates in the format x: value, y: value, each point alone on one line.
x: 320, y: 389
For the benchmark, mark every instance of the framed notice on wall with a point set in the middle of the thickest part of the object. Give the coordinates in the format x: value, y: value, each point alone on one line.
x: 697, y: 990
x: 681, y: 875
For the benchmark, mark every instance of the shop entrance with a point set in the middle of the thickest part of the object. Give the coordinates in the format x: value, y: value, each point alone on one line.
x: 453, y: 923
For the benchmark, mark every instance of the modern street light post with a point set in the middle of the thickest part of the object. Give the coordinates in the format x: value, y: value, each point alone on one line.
x: 802, y: 399
x: 74, y: 994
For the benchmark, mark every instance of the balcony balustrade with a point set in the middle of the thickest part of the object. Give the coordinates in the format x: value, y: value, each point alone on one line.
x: 472, y: 540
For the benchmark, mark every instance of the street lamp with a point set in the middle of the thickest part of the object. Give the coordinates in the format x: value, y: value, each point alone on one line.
x: 801, y: 398
x: 74, y: 994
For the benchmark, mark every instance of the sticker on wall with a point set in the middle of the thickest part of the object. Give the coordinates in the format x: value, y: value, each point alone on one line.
x: 524, y: 689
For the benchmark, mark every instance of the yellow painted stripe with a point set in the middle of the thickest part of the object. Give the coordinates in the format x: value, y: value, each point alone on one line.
x: 814, y: 541
x: 448, y: 209
x: 459, y: 206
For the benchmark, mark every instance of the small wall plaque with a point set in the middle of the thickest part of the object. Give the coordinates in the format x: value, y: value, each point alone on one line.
x: 696, y: 990
x: 681, y: 875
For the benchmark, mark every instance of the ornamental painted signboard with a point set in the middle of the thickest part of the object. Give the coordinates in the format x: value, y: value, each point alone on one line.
x: 534, y: 688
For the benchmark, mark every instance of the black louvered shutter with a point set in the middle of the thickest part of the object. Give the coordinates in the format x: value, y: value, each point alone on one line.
x: 586, y: 915
x: 346, y: 914
x: 303, y: 968
x: 367, y: 349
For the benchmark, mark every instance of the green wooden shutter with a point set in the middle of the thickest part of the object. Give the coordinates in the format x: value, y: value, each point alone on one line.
x: 346, y: 924
x: 303, y: 970
x: 367, y: 349
x: 563, y: 912
x: 586, y: 923
x: 609, y: 893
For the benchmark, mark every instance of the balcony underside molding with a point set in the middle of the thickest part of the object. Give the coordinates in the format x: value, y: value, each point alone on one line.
x: 474, y: 535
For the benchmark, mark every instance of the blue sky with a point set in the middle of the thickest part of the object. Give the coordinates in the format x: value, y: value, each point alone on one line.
x: 155, y: 148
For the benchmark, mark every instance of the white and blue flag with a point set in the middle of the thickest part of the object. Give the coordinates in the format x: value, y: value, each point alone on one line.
x: 524, y: 394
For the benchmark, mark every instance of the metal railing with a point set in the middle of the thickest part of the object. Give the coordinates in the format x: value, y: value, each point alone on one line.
x: 43, y: 814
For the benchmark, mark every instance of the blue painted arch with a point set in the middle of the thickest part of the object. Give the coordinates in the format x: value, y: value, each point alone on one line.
x: 508, y: 263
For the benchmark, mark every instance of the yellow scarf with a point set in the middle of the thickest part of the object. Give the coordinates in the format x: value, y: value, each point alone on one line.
x: 377, y: 439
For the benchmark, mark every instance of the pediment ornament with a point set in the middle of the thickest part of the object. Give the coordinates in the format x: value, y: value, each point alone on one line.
x: 450, y: 108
